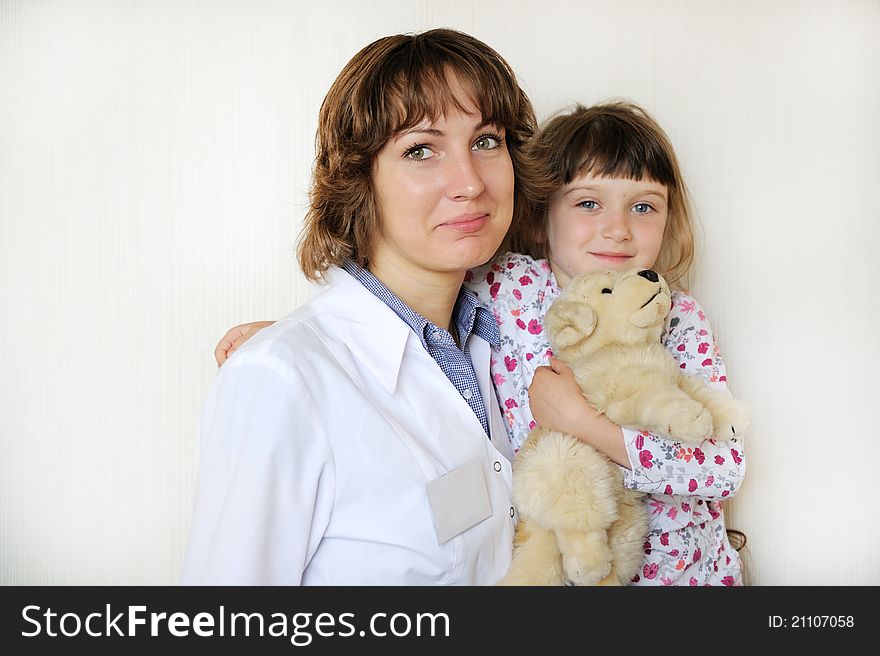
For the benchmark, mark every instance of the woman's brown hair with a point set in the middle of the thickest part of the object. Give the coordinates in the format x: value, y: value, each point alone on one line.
x: 388, y: 87
x: 621, y: 140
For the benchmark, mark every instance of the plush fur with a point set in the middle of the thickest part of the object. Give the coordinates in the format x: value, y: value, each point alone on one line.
x: 578, y: 525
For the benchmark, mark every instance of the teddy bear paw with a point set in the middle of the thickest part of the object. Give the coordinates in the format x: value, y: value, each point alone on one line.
x: 732, y: 422
x: 585, y: 567
x: 691, y: 423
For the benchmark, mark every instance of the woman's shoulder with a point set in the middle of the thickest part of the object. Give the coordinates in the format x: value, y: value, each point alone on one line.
x: 508, y: 273
x: 283, y: 347
x: 301, y: 337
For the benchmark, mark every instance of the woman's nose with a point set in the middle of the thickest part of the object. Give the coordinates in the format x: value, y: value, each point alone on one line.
x: 464, y: 180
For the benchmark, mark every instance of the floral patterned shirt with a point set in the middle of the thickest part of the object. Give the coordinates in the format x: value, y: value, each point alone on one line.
x: 684, y: 483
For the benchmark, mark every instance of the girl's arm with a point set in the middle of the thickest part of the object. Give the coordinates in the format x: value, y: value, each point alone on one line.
x: 266, y: 478
x: 652, y: 463
x: 557, y: 403
x: 235, y: 337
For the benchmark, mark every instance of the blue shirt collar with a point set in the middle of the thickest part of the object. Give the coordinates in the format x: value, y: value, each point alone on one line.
x: 470, y: 315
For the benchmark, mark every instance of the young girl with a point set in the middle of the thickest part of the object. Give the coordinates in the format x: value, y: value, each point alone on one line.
x: 620, y: 202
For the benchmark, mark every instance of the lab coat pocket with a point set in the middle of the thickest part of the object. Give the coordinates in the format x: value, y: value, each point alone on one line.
x: 459, y: 499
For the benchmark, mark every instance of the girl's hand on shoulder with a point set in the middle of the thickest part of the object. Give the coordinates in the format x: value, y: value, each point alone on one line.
x: 235, y: 337
x: 556, y: 400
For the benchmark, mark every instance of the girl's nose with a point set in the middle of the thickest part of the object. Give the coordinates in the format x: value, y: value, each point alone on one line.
x: 616, y: 226
x: 464, y: 181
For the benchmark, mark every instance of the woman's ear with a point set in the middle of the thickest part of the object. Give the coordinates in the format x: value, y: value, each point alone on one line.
x: 569, y: 322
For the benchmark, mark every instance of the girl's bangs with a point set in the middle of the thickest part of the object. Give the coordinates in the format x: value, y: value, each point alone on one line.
x: 614, y: 152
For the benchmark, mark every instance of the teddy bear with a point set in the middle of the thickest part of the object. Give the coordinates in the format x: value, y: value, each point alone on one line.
x: 578, y: 524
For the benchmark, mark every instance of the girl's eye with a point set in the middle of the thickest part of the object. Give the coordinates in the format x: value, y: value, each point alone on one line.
x: 588, y: 205
x: 419, y: 153
x: 487, y: 142
x: 642, y: 208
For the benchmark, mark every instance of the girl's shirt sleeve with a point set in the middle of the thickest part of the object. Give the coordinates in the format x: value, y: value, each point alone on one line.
x: 661, y: 465
x: 266, y: 478
x: 518, y: 289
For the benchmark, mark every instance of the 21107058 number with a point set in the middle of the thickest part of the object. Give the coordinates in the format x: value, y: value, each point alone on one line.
x: 810, y: 621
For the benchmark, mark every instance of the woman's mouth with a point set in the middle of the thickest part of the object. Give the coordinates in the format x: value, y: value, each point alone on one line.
x: 466, y: 222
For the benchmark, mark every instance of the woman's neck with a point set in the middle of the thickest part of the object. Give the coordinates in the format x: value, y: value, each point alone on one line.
x: 430, y: 293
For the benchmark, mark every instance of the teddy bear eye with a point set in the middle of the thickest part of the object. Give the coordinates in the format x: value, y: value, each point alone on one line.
x: 606, y: 291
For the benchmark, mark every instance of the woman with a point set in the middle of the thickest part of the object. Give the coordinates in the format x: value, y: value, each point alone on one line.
x: 358, y: 440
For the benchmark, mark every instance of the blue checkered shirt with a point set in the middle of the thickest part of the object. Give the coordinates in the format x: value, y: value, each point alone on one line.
x: 470, y: 316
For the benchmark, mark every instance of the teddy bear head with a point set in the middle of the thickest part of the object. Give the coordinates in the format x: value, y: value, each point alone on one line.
x: 603, y: 308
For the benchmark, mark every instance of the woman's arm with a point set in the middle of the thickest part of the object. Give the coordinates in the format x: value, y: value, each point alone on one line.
x: 652, y: 463
x: 235, y: 337
x: 266, y: 478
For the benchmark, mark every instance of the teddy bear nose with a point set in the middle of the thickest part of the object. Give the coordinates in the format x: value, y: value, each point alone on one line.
x: 649, y: 275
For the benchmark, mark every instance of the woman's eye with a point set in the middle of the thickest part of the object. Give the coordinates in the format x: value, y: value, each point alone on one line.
x: 642, y: 208
x: 419, y: 153
x: 487, y: 142
x: 606, y: 291
x: 588, y: 205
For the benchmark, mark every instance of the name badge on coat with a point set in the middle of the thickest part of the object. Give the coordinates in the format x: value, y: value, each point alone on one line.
x: 459, y: 499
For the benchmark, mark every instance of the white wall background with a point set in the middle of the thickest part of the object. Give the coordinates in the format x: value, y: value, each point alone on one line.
x: 154, y: 161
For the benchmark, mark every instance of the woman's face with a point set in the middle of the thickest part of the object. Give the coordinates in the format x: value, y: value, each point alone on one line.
x: 605, y: 224
x: 445, y: 190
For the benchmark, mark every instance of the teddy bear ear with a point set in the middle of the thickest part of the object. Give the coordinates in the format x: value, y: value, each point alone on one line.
x: 569, y: 322
x: 652, y: 314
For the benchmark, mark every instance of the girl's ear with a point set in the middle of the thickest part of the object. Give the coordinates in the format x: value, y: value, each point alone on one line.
x: 569, y: 322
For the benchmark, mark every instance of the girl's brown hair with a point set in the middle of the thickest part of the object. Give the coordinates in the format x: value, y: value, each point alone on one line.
x: 621, y: 140
x: 389, y: 87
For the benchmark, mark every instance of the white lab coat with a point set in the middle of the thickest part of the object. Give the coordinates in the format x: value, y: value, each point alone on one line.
x: 318, y: 438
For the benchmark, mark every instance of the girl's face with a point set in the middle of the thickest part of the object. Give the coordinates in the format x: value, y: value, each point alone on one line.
x: 605, y: 224
x: 445, y: 189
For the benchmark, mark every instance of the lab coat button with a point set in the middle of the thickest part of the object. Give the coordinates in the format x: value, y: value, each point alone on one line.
x: 511, y: 511
x: 497, y: 466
